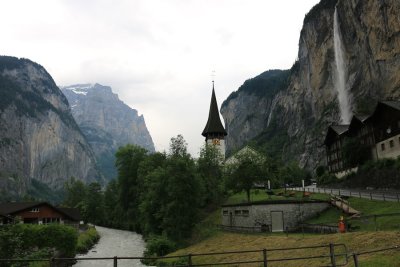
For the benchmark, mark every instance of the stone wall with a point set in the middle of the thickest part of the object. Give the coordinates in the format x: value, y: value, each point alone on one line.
x: 256, y: 215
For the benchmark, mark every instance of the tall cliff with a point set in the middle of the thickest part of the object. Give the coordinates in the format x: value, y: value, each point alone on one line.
x: 107, y: 122
x: 39, y: 138
x: 291, y: 122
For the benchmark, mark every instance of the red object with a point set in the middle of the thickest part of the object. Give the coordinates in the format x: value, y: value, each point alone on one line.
x: 342, y: 227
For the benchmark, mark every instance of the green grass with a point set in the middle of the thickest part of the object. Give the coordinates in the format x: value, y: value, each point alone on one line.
x: 260, y: 195
x: 208, y: 238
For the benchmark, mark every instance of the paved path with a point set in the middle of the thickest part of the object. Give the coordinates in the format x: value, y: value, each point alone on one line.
x: 368, y: 194
x: 114, y: 243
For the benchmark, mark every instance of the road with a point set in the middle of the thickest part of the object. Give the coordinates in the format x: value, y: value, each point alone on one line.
x: 114, y: 243
x: 367, y: 194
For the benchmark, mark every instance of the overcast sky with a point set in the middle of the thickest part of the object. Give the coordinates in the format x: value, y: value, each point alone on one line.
x: 157, y: 55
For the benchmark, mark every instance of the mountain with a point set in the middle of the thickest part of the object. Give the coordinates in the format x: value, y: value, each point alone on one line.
x: 358, y: 41
x: 107, y: 122
x: 39, y: 138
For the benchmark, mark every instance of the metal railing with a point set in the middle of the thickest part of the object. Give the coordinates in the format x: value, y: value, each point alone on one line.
x: 264, y: 257
x: 367, y: 194
x: 330, y: 254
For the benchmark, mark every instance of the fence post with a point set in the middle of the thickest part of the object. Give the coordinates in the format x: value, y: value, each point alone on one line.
x: 52, y: 262
x: 398, y: 200
x: 265, y: 257
x: 383, y: 195
x: 359, y: 193
x: 115, y: 261
x: 190, y: 260
x: 332, y: 254
x: 370, y: 194
x: 355, y: 258
x: 339, y: 192
x: 350, y: 193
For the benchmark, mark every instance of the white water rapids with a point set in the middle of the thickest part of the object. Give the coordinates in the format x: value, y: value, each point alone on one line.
x: 114, y: 243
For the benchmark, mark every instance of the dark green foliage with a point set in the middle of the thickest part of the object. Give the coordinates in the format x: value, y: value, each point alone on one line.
x: 314, y: 13
x: 320, y: 170
x: 383, y: 173
x: 128, y: 160
x: 267, y: 84
x: 112, y: 209
x: 20, y: 241
x: 326, y: 178
x: 211, y: 173
x: 355, y: 153
x: 75, y: 193
x: 292, y: 174
x: 159, y: 246
x: 248, y: 170
x: 93, y: 209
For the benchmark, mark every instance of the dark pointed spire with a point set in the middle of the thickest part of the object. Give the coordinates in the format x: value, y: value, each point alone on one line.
x: 214, y: 125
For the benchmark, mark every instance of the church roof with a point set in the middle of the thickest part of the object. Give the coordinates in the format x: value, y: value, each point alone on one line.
x: 214, y: 124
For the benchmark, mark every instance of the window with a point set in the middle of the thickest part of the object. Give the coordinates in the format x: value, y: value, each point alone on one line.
x: 383, y: 146
x: 391, y: 143
x: 245, y: 212
x: 225, y: 212
x: 35, y: 210
x: 238, y: 212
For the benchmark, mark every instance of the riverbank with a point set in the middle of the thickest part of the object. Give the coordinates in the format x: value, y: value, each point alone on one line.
x: 87, y: 239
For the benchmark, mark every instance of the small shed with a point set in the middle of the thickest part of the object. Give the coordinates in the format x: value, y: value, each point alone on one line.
x: 272, y: 215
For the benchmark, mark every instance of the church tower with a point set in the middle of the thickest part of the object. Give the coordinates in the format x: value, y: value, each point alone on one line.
x: 214, y: 132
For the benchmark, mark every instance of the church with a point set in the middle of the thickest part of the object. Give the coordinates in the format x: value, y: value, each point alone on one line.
x: 214, y: 131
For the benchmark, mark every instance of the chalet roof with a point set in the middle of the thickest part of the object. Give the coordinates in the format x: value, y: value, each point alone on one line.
x: 335, y: 130
x: 393, y: 104
x: 71, y: 212
x: 361, y: 118
x: 11, y: 208
x: 340, y: 129
x: 214, y: 125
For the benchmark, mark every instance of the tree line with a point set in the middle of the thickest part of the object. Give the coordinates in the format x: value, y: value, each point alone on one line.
x: 162, y: 194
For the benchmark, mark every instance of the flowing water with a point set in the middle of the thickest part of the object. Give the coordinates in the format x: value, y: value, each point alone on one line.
x: 340, y: 74
x: 114, y: 243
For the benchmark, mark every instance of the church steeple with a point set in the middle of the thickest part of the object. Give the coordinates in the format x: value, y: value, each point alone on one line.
x: 214, y: 132
x: 214, y: 126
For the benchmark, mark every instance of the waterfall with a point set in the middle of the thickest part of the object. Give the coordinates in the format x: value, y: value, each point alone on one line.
x: 340, y: 74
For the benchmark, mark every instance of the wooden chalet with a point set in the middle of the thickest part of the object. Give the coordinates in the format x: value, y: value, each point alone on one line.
x: 37, y: 213
x: 380, y: 132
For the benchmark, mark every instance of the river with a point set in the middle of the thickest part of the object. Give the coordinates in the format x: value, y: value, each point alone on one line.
x: 114, y: 243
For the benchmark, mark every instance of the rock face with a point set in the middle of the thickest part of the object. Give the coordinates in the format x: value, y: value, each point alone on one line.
x: 106, y: 122
x: 300, y: 113
x: 38, y: 136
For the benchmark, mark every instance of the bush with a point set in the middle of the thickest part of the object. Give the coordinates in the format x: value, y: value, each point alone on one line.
x: 87, y: 240
x: 159, y: 246
x: 55, y: 236
x: 326, y: 178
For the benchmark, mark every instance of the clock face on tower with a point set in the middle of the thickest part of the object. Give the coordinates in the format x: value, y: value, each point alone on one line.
x: 215, y: 141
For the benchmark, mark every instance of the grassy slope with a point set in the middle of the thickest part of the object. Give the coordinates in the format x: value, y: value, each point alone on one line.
x: 214, y: 240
